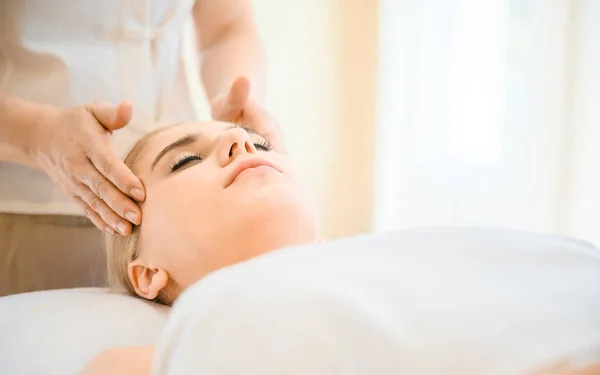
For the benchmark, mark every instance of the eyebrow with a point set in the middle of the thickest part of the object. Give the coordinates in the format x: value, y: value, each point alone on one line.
x: 189, y: 139
x: 181, y: 142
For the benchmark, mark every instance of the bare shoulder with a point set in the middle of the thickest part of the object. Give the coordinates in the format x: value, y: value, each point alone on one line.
x: 135, y: 360
x: 590, y: 369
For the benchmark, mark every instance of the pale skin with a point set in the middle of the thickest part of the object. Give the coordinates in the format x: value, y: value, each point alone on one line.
x: 138, y: 361
x: 590, y: 369
x: 185, y: 250
x: 186, y: 235
x: 264, y: 206
x: 71, y: 146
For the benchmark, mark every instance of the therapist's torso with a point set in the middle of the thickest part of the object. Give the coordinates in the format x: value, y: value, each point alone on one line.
x: 72, y: 52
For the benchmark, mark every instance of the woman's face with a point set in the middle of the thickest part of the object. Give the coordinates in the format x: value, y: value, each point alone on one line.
x: 216, y: 195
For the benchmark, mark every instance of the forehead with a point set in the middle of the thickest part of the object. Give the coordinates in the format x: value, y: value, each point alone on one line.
x: 164, y: 138
x: 155, y: 143
x: 173, y: 133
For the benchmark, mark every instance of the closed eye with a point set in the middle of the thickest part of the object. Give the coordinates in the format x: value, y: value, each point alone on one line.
x: 260, y: 143
x: 184, y: 160
x: 263, y: 144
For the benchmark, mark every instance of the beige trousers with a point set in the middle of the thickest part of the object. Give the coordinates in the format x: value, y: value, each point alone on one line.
x: 40, y: 252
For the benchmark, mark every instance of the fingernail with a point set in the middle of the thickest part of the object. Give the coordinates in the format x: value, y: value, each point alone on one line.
x: 137, y: 194
x: 109, y: 230
x: 121, y: 228
x: 132, y: 217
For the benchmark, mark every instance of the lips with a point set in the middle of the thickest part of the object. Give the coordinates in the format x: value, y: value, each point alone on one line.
x: 249, y: 163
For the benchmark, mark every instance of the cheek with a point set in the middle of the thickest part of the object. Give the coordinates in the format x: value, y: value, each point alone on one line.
x: 175, y: 209
x: 172, y: 197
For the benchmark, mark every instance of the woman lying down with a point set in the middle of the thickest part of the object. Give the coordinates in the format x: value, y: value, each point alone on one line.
x: 220, y: 197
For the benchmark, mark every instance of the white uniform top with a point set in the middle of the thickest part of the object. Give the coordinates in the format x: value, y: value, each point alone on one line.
x: 72, y: 52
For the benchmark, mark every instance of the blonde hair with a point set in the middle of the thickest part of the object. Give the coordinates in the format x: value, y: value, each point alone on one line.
x: 121, y: 250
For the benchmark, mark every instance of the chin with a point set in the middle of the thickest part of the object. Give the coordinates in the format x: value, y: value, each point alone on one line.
x: 280, y: 215
x: 274, y: 196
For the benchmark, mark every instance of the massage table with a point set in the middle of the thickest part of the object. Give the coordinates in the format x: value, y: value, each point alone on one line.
x: 422, y: 301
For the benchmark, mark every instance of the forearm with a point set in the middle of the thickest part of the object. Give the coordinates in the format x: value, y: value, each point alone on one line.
x: 18, y: 121
x: 239, y: 52
x: 135, y: 360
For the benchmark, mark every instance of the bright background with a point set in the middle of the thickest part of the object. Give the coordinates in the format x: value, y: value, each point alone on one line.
x: 402, y: 113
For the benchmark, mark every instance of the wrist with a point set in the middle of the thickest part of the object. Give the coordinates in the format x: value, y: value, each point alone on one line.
x: 37, y: 126
x: 18, y: 123
x: 30, y: 131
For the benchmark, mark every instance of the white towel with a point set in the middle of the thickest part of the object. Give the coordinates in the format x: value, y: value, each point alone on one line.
x: 421, y: 302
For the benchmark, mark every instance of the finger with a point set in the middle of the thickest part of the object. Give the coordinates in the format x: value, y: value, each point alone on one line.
x: 118, y: 202
x: 256, y: 118
x: 93, y: 216
x: 115, y: 171
x: 232, y: 106
x: 110, y: 116
x: 101, y: 208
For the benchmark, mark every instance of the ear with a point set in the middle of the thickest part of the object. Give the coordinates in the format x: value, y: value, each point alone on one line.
x: 147, y: 281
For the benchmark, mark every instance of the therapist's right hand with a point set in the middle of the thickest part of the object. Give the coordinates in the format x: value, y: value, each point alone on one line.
x: 72, y: 146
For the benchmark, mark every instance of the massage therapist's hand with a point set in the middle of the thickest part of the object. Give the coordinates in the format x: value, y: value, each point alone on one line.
x: 236, y: 106
x: 72, y: 146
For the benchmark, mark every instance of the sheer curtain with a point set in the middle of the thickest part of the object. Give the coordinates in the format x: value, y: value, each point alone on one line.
x: 488, y: 115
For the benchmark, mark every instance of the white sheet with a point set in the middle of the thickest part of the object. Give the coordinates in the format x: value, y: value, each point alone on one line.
x: 441, y: 301
x: 438, y: 301
x: 57, y: 332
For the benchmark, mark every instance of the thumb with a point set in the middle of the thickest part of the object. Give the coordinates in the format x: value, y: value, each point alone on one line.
x: 112, y: 117
x: 230, y: 107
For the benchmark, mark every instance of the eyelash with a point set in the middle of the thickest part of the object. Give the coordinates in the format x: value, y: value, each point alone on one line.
x: 261, y: 144
x: 184, y: 160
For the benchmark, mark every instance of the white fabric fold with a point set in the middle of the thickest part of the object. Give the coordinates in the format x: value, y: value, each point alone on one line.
x: 420, y: 302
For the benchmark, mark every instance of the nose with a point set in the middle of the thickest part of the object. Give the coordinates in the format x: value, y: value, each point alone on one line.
x: 233, y: 143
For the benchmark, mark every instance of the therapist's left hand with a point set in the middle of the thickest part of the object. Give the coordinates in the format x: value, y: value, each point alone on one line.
x: 238, y: 107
